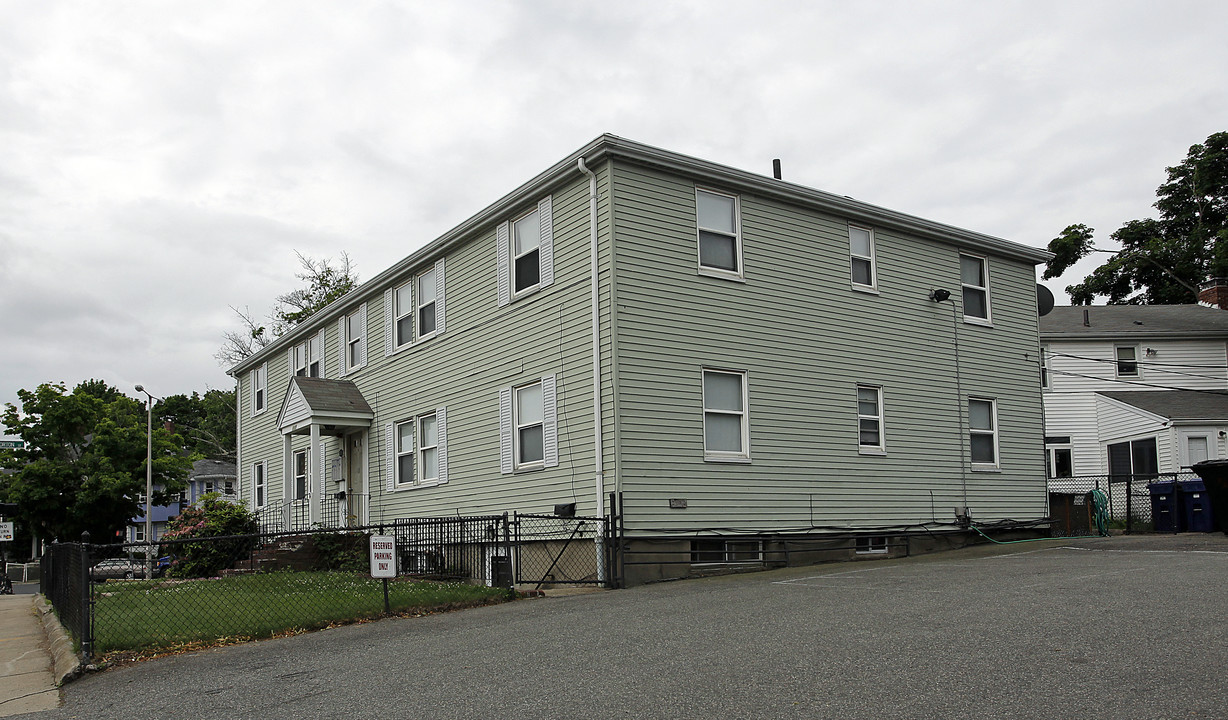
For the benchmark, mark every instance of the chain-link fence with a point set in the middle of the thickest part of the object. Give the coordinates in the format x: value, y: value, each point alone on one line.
x: 203, y: 590
x: 560, y: 550
x: 1156, y: 502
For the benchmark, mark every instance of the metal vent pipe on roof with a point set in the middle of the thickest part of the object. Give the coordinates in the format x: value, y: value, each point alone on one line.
x: 776, y: 168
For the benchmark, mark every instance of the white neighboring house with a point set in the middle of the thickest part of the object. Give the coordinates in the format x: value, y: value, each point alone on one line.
x: 1134, y: 389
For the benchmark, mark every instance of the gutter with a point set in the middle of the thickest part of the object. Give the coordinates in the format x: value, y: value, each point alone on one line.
x: 721, y: 175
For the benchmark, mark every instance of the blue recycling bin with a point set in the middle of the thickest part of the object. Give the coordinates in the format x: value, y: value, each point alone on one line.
x: 1195, y: 506
x: 1164, y: 515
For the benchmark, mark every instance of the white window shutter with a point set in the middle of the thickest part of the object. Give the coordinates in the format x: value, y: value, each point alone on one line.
x: 389, y: 314
x: 550, y: 430
x: 251, y: 387
x: 341, y: 348
x: 323, y: 355
x: 362, y: 344
x: 546, y: 252
x: 503, y: 239
x: 505, y: 430
x: 441, y: 442
x: 290, y: 362
x: 324, y: 478
x: 390, y: 438
x: 439, y: 303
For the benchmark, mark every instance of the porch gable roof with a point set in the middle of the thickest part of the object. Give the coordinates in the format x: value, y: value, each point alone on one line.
x: 337, y: 405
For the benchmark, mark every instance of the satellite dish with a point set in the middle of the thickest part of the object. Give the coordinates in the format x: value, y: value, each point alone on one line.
x: 1044, y: 300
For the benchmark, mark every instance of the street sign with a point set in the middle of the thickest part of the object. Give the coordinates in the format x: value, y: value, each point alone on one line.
x: 11, y: 445
x: 383, y: 556
x: 6, y: 532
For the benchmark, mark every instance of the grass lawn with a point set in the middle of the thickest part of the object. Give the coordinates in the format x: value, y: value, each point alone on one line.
x: 138, y: 614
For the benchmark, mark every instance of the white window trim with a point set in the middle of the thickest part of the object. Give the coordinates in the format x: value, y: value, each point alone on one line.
x: 1046, y: 372
x: 259, y: 386
x: 997, y: 453
x: 517, y: 427
x: 507, y: 428
x: 398, y: 452
x: 1138, y: 365
x: 294, y: 476
x: 345, y: 340
x: 881, y: 448
x: 505, y: 246
x: 399, y: 314
x: 419, y: 305
x: 394, y: 483
x: 740, y: 273
x: 260, y: 482
x: 724, y: 455
x: 874, y: 545
x: 423, y: 448
x: 972, y: 319
x: 872, y: 258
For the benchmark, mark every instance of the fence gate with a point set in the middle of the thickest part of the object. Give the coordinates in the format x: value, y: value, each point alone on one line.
x: 552, y: 550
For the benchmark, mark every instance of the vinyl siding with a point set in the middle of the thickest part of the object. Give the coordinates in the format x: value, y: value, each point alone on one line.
x: 482, y: 349
x: 1074, y: 415
x: 805, y: 339
x: 1178, y: 364
x: 1118, y: 422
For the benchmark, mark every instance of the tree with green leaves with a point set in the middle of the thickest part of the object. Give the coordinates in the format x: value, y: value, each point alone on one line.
x: 326, y: 282
x: 205, y: 422
x: 1162, y: 261
x: 83, y: 464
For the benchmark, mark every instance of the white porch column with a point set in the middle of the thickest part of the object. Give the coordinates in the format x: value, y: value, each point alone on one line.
x: 287, y: 470
x: 315, y: 470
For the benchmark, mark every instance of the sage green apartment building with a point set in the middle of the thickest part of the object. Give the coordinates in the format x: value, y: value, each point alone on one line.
x: 736, y: 357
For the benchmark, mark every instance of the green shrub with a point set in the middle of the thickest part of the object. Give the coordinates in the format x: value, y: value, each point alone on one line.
x: 212, y: 517
x: 342, y: 551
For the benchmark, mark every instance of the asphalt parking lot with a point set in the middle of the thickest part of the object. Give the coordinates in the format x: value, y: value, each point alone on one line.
x: 1125, y: 627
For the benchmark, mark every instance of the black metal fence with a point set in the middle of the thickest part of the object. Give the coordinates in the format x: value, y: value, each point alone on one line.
x: 1156, y: 502
x: 259, y: 585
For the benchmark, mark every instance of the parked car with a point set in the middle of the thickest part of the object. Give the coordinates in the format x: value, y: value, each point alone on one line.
x: 116, y: 569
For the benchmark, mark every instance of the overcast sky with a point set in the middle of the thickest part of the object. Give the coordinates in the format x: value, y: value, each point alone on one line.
x: 161, y: 161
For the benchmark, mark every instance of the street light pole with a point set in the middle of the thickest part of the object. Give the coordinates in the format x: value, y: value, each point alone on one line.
x: 148, y: 481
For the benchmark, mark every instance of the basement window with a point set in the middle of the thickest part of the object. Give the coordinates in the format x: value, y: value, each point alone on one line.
x: 718, y: 551
x: 871, y: 545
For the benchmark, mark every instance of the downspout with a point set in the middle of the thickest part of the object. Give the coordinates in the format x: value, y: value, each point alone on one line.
x: 598, y: 471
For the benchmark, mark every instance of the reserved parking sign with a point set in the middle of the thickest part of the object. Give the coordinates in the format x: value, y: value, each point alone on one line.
x: 383, y: 556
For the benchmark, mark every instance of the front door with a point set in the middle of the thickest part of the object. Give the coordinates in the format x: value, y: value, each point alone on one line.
x: 355, y: 478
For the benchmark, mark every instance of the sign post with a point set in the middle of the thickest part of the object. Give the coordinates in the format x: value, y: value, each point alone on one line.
x: 384, y: 562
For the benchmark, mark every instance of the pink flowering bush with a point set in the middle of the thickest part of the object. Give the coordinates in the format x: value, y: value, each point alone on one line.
x: 216, y: 523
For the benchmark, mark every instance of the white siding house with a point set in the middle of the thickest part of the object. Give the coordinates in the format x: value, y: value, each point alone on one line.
x: 1134, y: 389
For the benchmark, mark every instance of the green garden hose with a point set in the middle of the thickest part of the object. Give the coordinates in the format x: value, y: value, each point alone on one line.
x: 1100, y: 516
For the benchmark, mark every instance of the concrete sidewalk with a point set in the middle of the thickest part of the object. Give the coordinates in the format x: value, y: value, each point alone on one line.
x: 28, y: 674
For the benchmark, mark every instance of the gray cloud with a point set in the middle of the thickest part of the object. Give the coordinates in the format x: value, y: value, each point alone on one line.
x: 161, y: 161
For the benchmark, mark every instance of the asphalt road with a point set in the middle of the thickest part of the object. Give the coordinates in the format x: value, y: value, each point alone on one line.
x: 1128, y: 627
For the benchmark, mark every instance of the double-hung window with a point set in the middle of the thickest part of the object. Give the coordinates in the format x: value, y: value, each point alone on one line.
x: 974, y: 276
x: 526, y: 252
x: 529, y: 421
x: 983, y: 433
x: 861, y: 251
x: 726, y: 432
x: 419, y: 451
x: 528, y: 426
x: 352, y: 345
x: 259, y: 386
x: 414, y: 310
x: 426, y: 304
x: 300, y: 474
x: 405, y: 453
x: 1127, y: 361
x: 870, y: 419
x: 404, y: 315
x: 720, y: 233
x: 258, y: 486
x: 305, y: 358
x: 1059, y: 458
x: 428, y: 447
